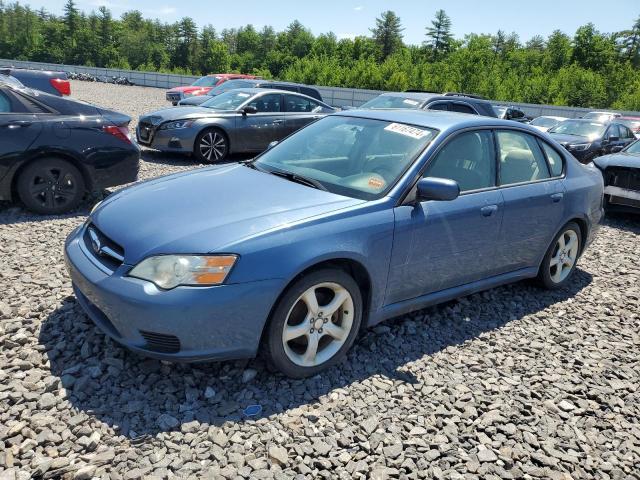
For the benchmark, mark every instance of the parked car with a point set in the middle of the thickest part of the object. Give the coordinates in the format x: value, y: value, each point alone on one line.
x: 248, y: 83
x: 54, y: 83
x: 632, y: 122
x: 511, y: 113
x: 601, y: 116
x: 453, y: 102
x: 201, y: 86
x: 588, y: 139
x: 621, y: 172
x: 241, y: 120
x: 53, y: 150
x: 356, y: 218
x: 545, y: 122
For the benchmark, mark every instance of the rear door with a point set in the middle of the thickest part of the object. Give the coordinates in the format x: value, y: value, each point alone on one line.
x: 19, y: 128
x: 533, y: 198
x: 259, y: 129
x: 299, y: 111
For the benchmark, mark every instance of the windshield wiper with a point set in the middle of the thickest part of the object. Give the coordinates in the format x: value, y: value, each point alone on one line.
x: 294, y: 177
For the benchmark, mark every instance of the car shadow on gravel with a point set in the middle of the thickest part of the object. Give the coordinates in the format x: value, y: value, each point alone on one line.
x: 181, y: 160
x: 140, y: 397
x: 629, y: 222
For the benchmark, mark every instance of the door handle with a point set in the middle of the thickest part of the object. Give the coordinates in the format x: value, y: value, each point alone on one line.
x: 557, y: 197
x: 488, y: 210
x: 17, y: 124
x: 277, y: 122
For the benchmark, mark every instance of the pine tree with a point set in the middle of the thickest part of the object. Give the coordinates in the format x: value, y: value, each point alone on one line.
x: 387, y: 33
x: 439, y: 35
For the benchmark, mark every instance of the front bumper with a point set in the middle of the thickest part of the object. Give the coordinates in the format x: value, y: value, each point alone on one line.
x: 175, y: 140
x: 184, y: 324
x: 622, y: 198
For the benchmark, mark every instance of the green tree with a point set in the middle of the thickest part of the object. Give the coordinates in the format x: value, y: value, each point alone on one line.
x: 387, y: 34
x: 439, y: 35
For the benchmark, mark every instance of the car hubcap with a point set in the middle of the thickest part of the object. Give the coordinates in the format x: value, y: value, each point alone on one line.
x: 318, y: 324
x: 53, y: 187
x: 212, y: 146
x: 564, y: 256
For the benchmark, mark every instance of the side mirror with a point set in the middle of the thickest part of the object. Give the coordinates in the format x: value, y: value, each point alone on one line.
x: 432, y: 188
x: 249, y: 109
x: 272, y: 144
x: 613, y: 138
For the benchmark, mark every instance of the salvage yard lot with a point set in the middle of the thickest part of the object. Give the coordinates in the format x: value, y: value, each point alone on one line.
x: 515, y: 382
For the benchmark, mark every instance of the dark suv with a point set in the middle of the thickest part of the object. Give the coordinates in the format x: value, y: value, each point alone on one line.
x: 246, y: 83
x: 511, y: 113
x: 450, y: 101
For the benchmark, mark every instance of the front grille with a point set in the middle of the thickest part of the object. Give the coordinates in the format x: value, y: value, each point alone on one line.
x: 160, y: 342
x: 103, y: 249
x: 627, y: 178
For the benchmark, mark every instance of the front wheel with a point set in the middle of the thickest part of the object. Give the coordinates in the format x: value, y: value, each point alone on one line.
x: 561, y: 258
x: 314, y: 324
x: 211, y: 145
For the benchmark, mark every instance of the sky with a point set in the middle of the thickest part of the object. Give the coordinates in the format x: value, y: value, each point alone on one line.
x: 348, y: 18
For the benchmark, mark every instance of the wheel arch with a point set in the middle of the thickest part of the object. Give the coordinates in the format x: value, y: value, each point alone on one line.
x: 213, y: 126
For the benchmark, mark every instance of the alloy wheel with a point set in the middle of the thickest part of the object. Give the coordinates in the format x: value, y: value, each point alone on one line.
x: 318, y: 324
x: 213, y: 146
x: 564, y: 256
x: 53, y: 187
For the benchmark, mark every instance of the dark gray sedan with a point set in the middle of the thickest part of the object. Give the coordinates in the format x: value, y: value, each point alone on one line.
x: 241, y: 120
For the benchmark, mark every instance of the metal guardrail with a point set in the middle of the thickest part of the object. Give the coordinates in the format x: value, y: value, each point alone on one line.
x: 336, y: 96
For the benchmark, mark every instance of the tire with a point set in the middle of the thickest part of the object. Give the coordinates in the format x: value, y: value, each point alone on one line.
x: 560, y: 261
x: 50, y: 186
x: 211, y: 145
x: 293, y: 354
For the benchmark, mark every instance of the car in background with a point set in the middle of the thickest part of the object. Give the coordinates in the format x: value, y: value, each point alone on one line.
x: 201, y: 86
x: 54, y: 83
x: 545, y: 122
x: 511, y: 113
x: 414, y: 100
x: 621, y: 173
x: 249, y: 83
x: 53, y: 150
x: 632, y: 122
x: 601, y: 116
x: 588, y: 139
x: 240, y: 120
x: 359, y: 217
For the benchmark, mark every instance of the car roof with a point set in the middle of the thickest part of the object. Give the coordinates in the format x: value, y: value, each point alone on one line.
x: 254, y: 91
x: 440, y: 120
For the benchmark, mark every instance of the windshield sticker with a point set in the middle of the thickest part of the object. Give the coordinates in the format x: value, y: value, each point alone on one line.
x: 410, y: 102
x: 406, y: 130
x: 376, y: 182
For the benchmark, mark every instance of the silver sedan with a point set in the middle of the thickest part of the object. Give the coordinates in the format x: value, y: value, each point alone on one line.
x: 241, y: 120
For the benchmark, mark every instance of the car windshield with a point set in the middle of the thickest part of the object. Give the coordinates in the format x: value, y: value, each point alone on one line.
x: 599, y: 116
x: 206, y: 82
x: 544, y: 122
x: 579, y: 128
x: 392, y: 101
x: 500, y: 111
x: 230, y: 100
x: 10, y: 80
x: 633, y: 148
x: 356, y: 157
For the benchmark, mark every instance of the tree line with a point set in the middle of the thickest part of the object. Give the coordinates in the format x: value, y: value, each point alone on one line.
x: 588, y: 69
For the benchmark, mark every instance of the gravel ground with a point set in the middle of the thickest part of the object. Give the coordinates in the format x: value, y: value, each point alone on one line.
x: 515, y: 382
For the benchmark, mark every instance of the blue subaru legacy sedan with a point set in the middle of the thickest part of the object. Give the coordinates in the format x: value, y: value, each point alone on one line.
x: 359, y: 217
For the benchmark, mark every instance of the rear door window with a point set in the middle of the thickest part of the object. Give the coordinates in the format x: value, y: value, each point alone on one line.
x: 554, y: 159
x: 295, y: 103
x: 5, y: 103
x: 439, y: 106
x: 520, y: 158
x: 462, y: 108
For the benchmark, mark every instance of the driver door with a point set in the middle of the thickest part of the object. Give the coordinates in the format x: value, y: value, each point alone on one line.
x: 444, y: 244
x: 258, y: 130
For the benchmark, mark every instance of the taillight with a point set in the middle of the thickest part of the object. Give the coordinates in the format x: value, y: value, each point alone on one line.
x: 119, y: 132
x: 62, y: 86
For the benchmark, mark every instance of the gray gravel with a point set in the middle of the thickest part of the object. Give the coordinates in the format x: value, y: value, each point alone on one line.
x: 515, y: 382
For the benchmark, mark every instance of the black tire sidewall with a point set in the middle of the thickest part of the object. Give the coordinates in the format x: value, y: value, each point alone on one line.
x: 273, y: 347
x: 196, y: 146
x: 544, y: 276
x: 26, y: 175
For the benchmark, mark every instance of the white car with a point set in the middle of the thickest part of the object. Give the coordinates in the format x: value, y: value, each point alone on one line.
x: 544, y: 123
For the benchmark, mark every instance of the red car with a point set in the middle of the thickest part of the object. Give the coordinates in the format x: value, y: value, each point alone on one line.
x: 632, y: 122
x: 202, y: 86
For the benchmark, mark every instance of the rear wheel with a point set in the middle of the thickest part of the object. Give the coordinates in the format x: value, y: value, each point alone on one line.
x: 211, y: 146
x: 561, y: 258
x: 314, y: 324
x: 50, y: 186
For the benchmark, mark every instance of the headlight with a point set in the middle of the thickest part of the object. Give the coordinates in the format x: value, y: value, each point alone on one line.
x: 176, y: 124
x: 579, y: 147
x: 169, y: 271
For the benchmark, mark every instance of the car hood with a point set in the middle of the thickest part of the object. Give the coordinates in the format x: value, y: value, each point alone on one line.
x: 181, y: 113
x: 206, y: 210
x: 622, y: 159
x: 564, y: 139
